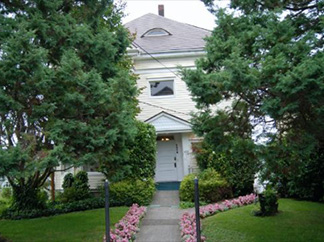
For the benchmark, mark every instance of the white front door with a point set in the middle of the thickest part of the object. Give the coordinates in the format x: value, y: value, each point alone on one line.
x: 166, y: 162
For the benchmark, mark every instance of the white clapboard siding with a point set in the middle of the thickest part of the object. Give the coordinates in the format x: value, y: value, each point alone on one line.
x: 180, y: 104
x: 96, y: 179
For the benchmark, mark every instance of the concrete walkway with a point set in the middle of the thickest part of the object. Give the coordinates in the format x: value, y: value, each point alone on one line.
x: 161, y: 223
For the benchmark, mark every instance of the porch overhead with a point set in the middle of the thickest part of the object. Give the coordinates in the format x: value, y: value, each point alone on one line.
x: 167, y: 123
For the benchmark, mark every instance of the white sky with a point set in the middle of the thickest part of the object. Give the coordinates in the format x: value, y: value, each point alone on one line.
x: 192, y: 12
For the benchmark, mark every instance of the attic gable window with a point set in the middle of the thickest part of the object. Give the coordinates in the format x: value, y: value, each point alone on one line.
x: 156, y: 32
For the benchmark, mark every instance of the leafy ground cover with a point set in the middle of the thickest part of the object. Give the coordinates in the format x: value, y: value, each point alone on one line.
x: 4, y: 202
x: 79, y: 226
x: 296, y: 221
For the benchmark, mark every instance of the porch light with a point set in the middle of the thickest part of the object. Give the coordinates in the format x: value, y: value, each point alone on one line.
x: 165, y: 138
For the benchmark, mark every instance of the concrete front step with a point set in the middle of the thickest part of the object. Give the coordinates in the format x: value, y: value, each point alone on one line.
x: 156, y: 222
x: 162, y: 233
x: 161, y: 223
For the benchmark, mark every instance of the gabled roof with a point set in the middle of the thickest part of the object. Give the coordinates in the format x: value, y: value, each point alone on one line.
x: 168, y: 123
x: 183, y: 37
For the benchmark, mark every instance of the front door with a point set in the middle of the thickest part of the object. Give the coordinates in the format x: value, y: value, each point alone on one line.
x: 166, y: 162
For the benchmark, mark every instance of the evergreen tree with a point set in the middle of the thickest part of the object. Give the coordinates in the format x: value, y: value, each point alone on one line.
x: 267, y: 57
x: 67, y: 94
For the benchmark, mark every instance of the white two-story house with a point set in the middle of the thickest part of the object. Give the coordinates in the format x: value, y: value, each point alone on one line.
x: 160, y: 47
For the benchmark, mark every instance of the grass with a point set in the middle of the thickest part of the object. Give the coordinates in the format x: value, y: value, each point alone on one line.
x: 185, y: 205
x: 78, y: 226
x: 296, y: 221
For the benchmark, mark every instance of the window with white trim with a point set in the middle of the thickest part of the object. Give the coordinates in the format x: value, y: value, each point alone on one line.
x: 161, y: 88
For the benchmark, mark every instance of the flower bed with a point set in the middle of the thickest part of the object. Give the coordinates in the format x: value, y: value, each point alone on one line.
x: 188, y: 228
x: 128, y: 226
x: 188, y: 221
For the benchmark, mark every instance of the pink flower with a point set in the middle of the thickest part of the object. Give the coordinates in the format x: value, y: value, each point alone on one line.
x: 126, y: 228
x: 188, y: 221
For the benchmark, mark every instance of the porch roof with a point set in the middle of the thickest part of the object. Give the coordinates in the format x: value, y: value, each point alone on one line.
x: 168, y: 123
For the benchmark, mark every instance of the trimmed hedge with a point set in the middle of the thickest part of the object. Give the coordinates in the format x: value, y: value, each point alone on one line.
x: 212, y: 187
x: 124, y: 193
x: 142, y: 156
x: 53, y: 209
x: 128, y: 192
x: 237, y: 165
x: 268, y: 202
x: 76, y: 188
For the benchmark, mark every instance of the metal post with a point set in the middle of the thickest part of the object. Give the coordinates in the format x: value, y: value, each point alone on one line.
x: 197, y: 210
x: 107, y: 211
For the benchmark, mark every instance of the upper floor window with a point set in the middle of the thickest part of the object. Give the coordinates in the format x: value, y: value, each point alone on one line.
x: 156, y: 32
x: 161, y: 88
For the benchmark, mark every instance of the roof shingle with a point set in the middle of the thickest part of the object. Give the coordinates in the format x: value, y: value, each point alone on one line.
x: 184, y: 37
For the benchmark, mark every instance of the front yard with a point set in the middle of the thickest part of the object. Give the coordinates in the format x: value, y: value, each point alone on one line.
x: 296, y: 221
x: 79, y: 226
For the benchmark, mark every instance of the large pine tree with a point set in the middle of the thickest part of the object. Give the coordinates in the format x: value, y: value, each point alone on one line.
x: 66, y: 91
x: 267, y: 56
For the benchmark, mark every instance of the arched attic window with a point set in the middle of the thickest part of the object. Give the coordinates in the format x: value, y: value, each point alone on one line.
x: 156, y: 32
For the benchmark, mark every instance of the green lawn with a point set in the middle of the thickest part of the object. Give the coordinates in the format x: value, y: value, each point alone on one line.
x: 297, y: 221
x: 79, y: 226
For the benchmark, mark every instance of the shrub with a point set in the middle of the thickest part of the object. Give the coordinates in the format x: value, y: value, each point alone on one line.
x: 212, y: 187
x: 268, y: 202
x: 42, y: 196
x: 186, y: 190
x: 142, y: 155
x: 295, y: 164
x: 3, y: 206
x: 237, y: 164
x: 26, y: 198
x: 86, y: 204
x: 121, y: 193
x: 140, y: 159
x: 127, y: 192
x: 75, y: 188
x: 81, y: 185
x: 6, y: 193
x: 69, y: 195
x: 68, y: 181
x: 54, y: 208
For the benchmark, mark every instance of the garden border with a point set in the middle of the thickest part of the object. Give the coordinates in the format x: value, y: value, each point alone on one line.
x: 128, y: 226
x: 188, y: 220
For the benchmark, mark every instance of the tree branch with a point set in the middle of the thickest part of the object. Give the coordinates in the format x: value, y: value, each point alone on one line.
x: 44, y: 177
x: 64, y: 169
x: 301, y: 8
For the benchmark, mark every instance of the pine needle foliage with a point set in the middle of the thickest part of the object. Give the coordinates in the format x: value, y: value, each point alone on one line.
x: 66, y: 91
x: 267, y: 58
